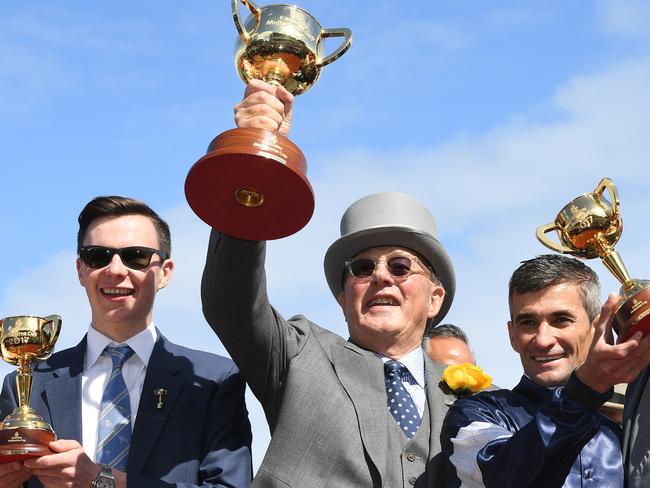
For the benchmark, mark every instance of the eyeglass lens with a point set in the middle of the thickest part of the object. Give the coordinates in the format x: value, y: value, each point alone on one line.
x: 365, y: 267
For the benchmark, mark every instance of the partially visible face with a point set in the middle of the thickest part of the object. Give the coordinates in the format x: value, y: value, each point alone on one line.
x: 448, y: 350
x: 551, y: 332
x: 385, y: 314
x: 121, y: 298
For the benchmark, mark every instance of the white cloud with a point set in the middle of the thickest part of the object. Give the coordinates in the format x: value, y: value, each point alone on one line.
x: 628, y: 18
x: 519, y: 16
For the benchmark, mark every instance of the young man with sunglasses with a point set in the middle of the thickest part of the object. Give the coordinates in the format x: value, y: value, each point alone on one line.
x: 547, y: 431
x: 128, y: 406
x: 362, y: 412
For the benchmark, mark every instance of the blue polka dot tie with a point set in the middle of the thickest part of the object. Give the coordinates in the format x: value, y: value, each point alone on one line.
x: 114, y: 429
x: 399, y: 401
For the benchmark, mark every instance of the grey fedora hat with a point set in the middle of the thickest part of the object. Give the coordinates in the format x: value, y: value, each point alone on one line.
x: 389, y: 219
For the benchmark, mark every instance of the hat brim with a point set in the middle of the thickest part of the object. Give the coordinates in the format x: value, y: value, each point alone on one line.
x: 424, y: 244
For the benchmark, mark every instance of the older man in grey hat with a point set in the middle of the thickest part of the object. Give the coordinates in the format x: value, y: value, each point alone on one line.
x: 362, y: 412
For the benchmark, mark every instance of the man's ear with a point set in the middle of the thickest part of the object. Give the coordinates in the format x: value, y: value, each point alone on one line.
x: 341, y: 299
x: 167, y: 269
x: 437, y: 298
x: 79, y: 273
x: 511, y: 335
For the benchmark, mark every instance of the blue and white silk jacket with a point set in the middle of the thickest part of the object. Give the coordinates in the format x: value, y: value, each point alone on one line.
x: 532, y: 437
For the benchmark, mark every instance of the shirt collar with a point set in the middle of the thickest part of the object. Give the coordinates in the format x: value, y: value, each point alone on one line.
x: 142, y: 344
x: 413, y: 361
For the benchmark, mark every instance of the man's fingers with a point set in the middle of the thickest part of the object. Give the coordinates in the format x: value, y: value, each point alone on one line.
x: 258, y: 99
x: 262, y: 110
x: 284, y: 96
x: 13, y: 474
x: 15, y: 480
x: 63, y: 445
x: 60, y: 459
x: 11, y: 467
x: 255, y: 85
x: 262, y: 93
x: 602, y: 322
x: 259, y: 110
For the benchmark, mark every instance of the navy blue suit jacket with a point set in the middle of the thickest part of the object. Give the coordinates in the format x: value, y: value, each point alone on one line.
x: 201, y: 437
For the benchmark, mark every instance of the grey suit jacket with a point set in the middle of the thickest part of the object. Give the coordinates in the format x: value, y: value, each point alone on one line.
x: 637, y: 474
x: 201, y: 436
x: 324, y: 397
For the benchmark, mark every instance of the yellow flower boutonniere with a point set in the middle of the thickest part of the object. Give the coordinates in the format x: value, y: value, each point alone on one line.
x: 464, y: 379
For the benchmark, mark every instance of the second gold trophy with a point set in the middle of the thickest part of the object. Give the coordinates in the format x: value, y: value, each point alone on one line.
x: 589, y: 227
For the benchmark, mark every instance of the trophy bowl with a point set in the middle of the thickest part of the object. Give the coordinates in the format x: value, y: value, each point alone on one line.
x: 24, y: 339
x: 283, y: 44
x: 589, y: 227
x: 252, y: 183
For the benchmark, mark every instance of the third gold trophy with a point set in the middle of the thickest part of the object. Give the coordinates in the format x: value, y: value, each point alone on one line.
x: 589, y: 227
x: 252, y: 183
x: 25, y: 339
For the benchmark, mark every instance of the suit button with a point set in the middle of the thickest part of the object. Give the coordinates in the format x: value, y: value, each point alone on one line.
x: 410, y: 456
x: 412, y: 480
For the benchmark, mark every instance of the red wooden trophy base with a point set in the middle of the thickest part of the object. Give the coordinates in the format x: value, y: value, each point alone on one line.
x: 633, y: 315
x: 251, y: 185
x: 23, y: 443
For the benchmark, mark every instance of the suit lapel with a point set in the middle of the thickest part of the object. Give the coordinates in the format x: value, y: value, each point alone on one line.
x: 165, y: 370
x: 361, y: 375
x: 437, y: 401
x: 63, y: 396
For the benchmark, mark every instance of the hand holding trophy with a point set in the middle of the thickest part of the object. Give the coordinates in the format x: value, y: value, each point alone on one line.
x: 23, y: 433
x: 589, y: 227
x: 251, y: 184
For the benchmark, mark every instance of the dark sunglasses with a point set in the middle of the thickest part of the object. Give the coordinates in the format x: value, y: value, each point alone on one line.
x: 134, y: 257
x: 398, y: 267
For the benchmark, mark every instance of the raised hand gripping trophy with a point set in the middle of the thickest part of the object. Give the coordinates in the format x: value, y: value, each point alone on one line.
x: 589, y: 227
x: 23, y: 433
x: 252, y: 183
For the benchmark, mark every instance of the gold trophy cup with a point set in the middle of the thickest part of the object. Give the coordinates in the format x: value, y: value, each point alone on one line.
x: 252, y: 183
x: 23, y: 433
x: 589, y: 227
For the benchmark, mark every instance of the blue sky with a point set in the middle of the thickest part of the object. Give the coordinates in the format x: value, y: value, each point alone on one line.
x: 494, y: 114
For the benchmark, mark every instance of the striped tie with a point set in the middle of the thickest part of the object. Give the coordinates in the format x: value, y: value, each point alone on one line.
x: 114, y: 431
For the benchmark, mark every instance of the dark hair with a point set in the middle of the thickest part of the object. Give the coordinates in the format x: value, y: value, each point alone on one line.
x: 448, y: 330
x: 445, y: 330
x: 115, y: 206
x: 554, y: 269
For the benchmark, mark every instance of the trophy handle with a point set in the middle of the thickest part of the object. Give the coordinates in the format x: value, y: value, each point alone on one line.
x: 608, y: 184
x: 340, y: 51
x: 255, y: 10
x: 541, y: 237
x: 55, y: 321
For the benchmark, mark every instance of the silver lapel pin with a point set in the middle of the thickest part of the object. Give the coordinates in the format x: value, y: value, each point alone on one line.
x: 160, y: 393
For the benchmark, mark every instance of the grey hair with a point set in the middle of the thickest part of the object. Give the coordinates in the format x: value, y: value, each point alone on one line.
x: 554, y: 269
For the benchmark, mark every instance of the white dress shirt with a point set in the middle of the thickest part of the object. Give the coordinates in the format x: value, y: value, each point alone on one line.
x: 413, y: 379
x: 97, y: 370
